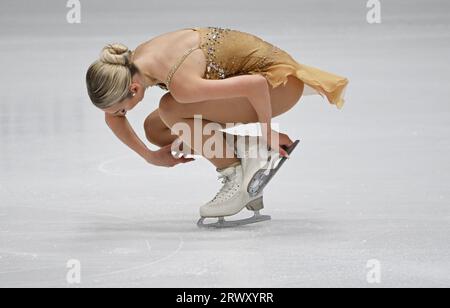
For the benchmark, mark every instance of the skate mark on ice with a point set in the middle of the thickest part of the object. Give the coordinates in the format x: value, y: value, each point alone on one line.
x: 149, y: 247
x: 126, y: 165
x: 107, y: 166
x: 87, y: 213
x: 37, y: 269
x: 103, y: 166
x: 89, y: 276
x: 140, y: 267
x: 33, y: 255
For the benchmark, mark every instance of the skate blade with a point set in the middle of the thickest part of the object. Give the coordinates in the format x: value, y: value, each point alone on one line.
x: 222, y: 223
x: 263, y: 176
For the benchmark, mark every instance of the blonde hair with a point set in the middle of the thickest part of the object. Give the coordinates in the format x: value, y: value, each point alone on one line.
x: 108, y: 79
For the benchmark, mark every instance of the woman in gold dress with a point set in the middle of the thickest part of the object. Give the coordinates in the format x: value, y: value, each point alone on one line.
x: 224, y: 76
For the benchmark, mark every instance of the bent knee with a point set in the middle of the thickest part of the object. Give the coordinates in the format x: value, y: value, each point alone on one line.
x: 169, y: 109
x: 166, y: 104
x: 151, y: 128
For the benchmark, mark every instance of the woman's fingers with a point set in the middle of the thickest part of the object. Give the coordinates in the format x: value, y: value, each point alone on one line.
x: 183, y: 160
x: 283, y: 152
x: 287, y: 140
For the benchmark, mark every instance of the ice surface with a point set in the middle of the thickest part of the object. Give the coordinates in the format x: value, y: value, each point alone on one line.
x: 368, y: 182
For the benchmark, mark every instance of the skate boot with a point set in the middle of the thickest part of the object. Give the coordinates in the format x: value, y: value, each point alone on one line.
x: 259, y: 164
x: 230, y: 200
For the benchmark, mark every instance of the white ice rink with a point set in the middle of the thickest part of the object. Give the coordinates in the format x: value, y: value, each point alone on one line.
x: 370, y: 181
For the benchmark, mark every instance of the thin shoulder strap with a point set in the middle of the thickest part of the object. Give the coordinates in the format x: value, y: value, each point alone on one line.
x: 177, y: 65
x: 192, y: 28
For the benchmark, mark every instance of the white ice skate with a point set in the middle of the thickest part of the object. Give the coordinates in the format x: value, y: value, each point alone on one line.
x: 231, y: 199
x: 259, y: 164
x: 244, y: 184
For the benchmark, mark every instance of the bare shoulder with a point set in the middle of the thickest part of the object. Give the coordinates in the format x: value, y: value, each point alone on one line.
x: 160, y: 55
x: 154, y: 44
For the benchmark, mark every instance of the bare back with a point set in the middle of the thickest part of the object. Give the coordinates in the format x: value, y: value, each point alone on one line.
x: 156, y: 57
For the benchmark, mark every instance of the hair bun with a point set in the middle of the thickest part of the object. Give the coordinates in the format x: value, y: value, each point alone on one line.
x: 116, y: 54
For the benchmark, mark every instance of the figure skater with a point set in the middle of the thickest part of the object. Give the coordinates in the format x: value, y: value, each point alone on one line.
x: 224, y: 76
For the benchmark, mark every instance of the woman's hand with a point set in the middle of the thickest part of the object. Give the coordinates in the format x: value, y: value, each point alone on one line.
x: 164, y: 158
x: 283, y: 140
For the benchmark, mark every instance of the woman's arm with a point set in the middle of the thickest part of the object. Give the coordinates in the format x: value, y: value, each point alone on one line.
x: 123, y: 130
x: 254, y: 87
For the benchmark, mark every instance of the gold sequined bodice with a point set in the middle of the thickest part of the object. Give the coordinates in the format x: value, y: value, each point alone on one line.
x: 225, y: 58
x: 230, y: 53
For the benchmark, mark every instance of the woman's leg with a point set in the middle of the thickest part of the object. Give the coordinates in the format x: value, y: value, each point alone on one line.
x: 157, y: 131
x: 236, y: 110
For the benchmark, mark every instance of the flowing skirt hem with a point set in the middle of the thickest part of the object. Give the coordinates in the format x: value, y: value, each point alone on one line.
x: 326, y: 84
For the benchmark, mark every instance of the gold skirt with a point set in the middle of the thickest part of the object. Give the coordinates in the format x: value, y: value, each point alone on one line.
x: 232, y: 52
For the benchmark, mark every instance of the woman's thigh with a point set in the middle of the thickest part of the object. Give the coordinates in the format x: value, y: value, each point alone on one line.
x: 238, y: 110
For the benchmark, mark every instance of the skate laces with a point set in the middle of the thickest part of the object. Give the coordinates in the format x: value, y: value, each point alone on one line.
x: 227, y: 188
